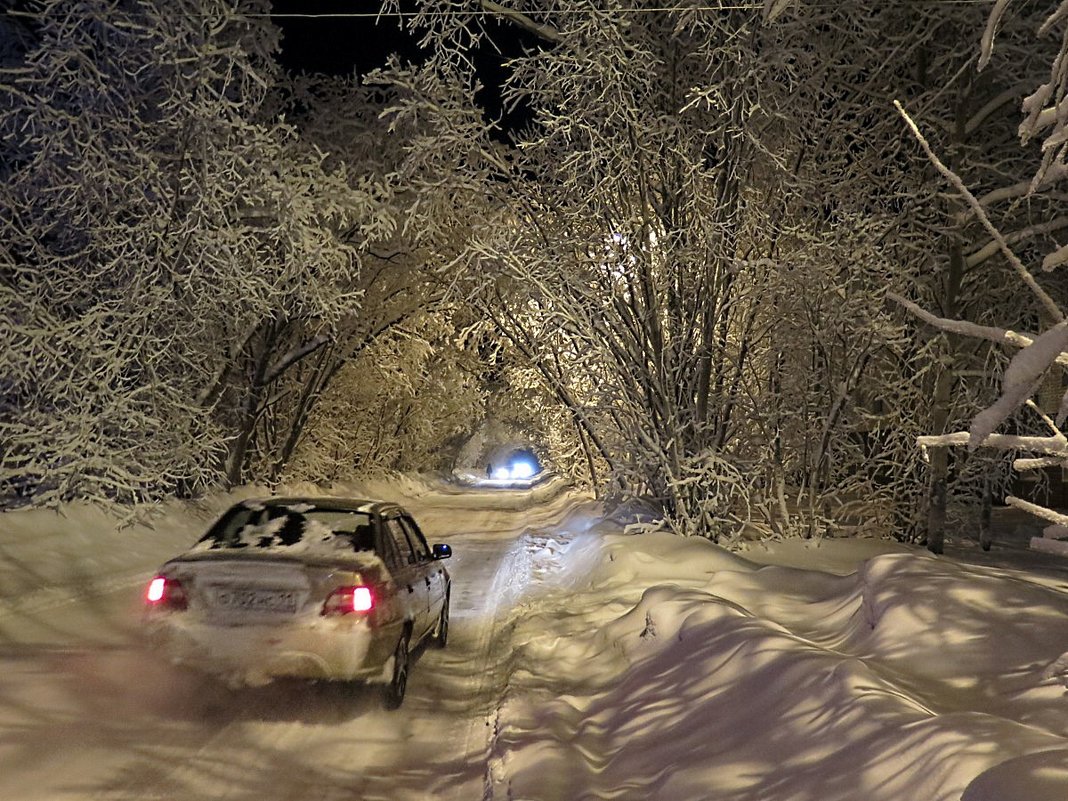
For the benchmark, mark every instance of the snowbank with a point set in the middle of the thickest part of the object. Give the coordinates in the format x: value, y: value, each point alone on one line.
x: 676, y: 670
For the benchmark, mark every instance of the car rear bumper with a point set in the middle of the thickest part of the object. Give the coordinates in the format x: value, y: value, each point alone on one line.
x: 256, y: 654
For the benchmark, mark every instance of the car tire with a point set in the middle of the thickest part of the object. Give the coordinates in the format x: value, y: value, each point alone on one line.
x: 398, y: 684
x: 441, y: 631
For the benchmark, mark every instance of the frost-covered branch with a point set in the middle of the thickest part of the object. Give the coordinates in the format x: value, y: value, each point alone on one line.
x: 290, y: 358
x: 1038, y: 511
x: 545, y: 32
x: 1043, y: 297
x: 1056, y: 445
x: 1029, y: 232
x: 968, y: 329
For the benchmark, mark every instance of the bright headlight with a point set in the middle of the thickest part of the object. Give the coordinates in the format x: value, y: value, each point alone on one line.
x: 522, y: 469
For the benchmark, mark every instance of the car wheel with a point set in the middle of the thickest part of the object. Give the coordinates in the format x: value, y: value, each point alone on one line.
x: 394, y: 695
x: 441, y: 633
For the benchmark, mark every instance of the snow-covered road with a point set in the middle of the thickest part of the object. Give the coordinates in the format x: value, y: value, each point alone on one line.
x: 583, y: 665
x: 87, y: 713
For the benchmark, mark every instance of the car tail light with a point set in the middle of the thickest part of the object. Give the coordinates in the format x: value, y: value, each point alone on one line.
x: 346, y: 600
x: 166, y: 593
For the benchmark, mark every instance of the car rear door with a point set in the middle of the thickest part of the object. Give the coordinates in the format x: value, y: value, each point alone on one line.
x: 434, y: 576
x: 412, y: 588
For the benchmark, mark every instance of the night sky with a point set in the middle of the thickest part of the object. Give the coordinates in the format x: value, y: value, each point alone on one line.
x: 341, y: 45
x: 338, y: 45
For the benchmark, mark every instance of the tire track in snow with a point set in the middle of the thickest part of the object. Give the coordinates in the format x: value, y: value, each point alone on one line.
x: 495, y: 600
x: 537, y: 557
x: 506, y: 587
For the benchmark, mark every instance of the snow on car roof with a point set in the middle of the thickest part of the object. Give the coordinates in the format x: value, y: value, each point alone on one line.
x: 292, y: 528
x: 365, y: 505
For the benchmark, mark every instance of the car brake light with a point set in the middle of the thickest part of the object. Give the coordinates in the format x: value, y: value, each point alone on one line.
x: 345, y: 600
x: 166, y: 593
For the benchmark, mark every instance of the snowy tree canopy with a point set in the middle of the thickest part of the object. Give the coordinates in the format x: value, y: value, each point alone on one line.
x: 709, y: 268
x: 691, y: 251
x: 158, y: 226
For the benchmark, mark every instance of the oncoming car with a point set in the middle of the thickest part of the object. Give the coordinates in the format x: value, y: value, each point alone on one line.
x: 316, y: 588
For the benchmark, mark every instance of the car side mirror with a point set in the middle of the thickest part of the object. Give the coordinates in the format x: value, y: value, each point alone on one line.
x: 442, y: 551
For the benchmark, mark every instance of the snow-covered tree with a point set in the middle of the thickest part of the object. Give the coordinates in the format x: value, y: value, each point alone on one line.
x: 882, y: 203
x: 1035, y: 335
x: 693, y: 239
x: 406, y: 402
x: 618, y: 260
x: 387, y: 373
x: 158, y: 227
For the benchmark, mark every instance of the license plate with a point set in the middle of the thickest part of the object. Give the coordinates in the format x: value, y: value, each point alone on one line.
x: 254, y: 600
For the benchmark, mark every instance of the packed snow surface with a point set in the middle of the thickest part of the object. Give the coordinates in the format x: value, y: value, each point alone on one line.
x: 583, y: 664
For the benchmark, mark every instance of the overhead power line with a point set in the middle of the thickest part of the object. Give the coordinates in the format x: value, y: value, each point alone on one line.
x: 568, y: 11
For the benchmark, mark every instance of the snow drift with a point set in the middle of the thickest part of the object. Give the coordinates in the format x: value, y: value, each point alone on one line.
x: 677, y: 670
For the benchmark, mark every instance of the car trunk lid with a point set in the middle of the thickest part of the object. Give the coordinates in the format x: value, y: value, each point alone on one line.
x: 250, y: 587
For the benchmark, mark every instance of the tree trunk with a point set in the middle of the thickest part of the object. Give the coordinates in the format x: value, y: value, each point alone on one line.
x: 591, y: 462
x: 235, y: 472
x: 312, y: 390
x: 943, y: 396
x: 986, y: 537
x: 936, y: 512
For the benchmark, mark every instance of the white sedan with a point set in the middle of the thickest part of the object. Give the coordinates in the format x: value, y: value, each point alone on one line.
x: 316, y: 588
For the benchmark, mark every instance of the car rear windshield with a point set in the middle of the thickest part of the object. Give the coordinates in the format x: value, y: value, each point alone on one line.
x: 296, y: 527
